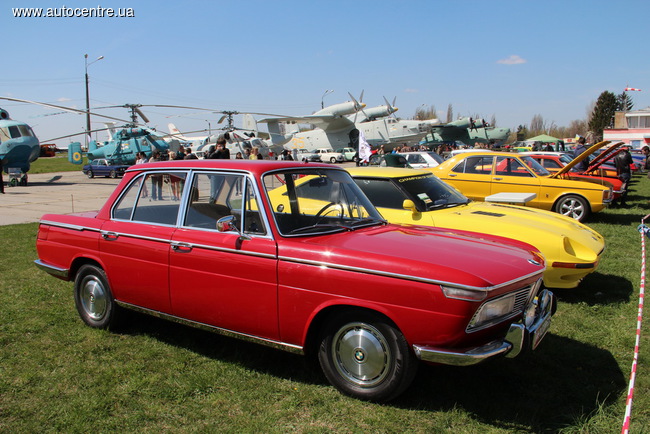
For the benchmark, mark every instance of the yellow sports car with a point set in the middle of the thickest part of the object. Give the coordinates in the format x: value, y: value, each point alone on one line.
x: 480, y: 175
x: 415, y: 196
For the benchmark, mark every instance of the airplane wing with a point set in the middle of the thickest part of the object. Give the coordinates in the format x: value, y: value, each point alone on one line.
x: 328, y: 123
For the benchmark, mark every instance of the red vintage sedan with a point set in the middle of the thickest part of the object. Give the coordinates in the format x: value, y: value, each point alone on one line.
x: 313, y: 269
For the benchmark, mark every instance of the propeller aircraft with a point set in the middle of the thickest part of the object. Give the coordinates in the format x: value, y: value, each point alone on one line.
x: 19, y: 146
x: 468, y: 131
x: 339, y: 125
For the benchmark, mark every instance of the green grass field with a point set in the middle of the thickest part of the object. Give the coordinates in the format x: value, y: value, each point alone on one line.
x: 59, y: 163
x: 57, y: 375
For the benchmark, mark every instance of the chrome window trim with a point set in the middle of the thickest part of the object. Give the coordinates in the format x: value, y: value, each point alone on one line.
x: 68, y: 226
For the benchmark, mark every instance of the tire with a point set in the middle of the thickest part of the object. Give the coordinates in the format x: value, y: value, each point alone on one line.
x: 573, y: 206
x: 333, y: 160
x: 366, y: 357
x: 113, y: 174
x: 90, y: 174
x: 13, y: 182
x: 93, y: 297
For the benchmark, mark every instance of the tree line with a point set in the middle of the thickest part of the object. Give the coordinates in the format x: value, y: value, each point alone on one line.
x: 600, y: 115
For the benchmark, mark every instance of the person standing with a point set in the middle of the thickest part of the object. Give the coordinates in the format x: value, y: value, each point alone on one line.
x: 580, y: 148
x: 623, y: 160
x: 156, y: 180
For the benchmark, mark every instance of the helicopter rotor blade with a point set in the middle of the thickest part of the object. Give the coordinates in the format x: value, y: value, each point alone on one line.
x: 68, y: 109
x: 142, y: 115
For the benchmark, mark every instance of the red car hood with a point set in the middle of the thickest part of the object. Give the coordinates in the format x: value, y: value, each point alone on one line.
x: 422, y: 253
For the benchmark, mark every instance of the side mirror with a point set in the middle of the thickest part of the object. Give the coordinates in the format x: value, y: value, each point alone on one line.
x: 227, y: 224
x: 409, y: 205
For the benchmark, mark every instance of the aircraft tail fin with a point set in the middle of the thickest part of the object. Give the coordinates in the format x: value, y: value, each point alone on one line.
x: 74, y: 153
x: 175, y: 132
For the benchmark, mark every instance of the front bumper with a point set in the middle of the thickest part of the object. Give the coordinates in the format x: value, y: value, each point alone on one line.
x: 519, y: 338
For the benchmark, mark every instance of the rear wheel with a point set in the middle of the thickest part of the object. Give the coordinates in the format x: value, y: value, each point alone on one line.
x: 573, y: 206
x: 366, y: 357
x: 113, y: 174
x: 93, y: 297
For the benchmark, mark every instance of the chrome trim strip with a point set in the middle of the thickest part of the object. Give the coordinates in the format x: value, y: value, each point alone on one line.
x: 140, y: 237
x: 291, y: 348
x: 406, y: 276
x: 68, y: 226
x: 53, y: 270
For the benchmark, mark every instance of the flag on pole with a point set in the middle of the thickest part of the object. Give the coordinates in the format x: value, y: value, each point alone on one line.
x: 632, y: 88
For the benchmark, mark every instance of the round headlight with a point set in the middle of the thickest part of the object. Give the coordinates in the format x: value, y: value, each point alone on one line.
x: 530, y: 313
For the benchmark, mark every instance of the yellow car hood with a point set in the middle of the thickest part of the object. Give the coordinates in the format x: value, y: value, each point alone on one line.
x: 556, y: 236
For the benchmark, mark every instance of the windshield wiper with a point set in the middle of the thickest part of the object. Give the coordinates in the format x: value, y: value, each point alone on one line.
x: 319, y: 226
x: 369, y: 221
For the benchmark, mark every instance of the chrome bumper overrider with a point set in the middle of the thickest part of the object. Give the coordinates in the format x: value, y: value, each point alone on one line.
x: 519, y: 338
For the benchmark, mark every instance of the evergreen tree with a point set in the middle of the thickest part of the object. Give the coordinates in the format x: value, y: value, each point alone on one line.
x: 625, y: 102
x: 603, y: 115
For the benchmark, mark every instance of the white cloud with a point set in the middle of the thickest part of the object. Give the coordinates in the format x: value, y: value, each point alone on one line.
x: 409, y: 90
x: 512, y: 60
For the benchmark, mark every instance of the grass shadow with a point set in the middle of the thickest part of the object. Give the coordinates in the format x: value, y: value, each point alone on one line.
x: 563, y: 381
x: 531, y: 391
x: 598, y: 289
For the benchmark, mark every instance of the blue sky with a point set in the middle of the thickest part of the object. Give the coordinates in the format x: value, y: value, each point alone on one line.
x: 508, y: 59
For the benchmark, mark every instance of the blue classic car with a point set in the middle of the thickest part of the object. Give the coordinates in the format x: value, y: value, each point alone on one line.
x: 104, y: 167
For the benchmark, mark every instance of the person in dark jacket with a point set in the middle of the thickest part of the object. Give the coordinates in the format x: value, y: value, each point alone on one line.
x: 622, y: 161
x: 580, y: 148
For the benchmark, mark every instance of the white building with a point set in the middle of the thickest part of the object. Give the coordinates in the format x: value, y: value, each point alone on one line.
x: 631, y: 127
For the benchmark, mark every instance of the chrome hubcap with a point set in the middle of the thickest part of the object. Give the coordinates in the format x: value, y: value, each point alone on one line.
x: 361, y: 354
x: 93, y: 298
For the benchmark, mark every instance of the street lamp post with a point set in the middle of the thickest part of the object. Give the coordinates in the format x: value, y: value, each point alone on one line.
x: 327, y: 92
x: 87, y: 95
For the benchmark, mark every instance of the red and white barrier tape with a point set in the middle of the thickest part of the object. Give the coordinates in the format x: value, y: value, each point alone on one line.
x: 630, y: 389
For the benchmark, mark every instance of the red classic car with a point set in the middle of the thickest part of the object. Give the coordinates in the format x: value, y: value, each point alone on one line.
x: 314, y: 270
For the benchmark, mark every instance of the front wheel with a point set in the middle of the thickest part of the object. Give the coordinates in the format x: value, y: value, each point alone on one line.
x: 113, y: 174
x: 573, y: 206
x: 333, y: 160
x: 93, y: 297
x: 366, y: 357
x: 90, y: 174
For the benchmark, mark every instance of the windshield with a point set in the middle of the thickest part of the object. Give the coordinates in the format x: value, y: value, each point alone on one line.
x: 310, y: 201
x: 428, y: 192
x: 535, y: 166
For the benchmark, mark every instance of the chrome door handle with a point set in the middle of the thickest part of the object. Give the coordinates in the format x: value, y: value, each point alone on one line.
x: 182, y: 247
x: 110, y: 236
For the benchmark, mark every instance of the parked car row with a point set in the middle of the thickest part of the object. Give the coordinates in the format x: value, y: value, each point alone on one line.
x: 371, y: 270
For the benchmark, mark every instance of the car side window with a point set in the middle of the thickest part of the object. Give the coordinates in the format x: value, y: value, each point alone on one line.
x: 478, y: 164
x: 217, y: 195
x: 382, y: 193
x: 509, y: 166
x: 153, y: 198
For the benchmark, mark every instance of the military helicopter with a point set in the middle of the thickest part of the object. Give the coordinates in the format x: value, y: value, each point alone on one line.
x: 237, y: 139
x: 339, y: 125
x: 19, y: 147
x: 126, y: 142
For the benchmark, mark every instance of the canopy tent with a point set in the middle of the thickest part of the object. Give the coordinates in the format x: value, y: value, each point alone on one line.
x: 543, y: 138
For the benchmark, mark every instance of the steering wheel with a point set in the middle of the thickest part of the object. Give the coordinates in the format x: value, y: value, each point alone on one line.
x: 323, y: 210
